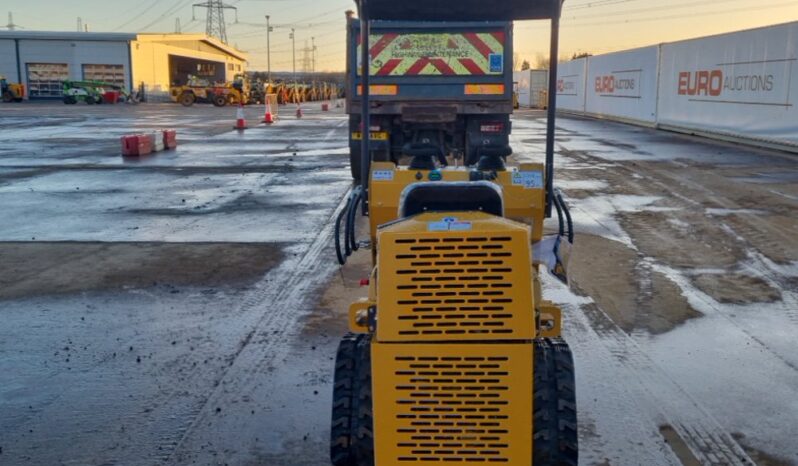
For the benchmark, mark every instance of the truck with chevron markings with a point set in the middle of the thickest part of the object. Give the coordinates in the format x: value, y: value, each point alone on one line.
x: 443, y: 89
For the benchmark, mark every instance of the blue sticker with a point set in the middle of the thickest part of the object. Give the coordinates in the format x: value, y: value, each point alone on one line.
x: 496, y: 61
x: 528, y: 179
x: 382, y: 175
x: 449, y: 224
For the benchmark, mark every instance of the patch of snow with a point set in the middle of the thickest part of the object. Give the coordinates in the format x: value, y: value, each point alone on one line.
x: 727, y: 212
x: 596, y: 215
x: 586, y: 185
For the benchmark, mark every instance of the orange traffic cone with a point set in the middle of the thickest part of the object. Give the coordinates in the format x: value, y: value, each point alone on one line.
x: 268, y: 118
x: 241, y: 122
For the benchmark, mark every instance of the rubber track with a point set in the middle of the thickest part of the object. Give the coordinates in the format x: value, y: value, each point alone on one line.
x: 343, y: 396
x: 364, y: 421
x: 555, y: 422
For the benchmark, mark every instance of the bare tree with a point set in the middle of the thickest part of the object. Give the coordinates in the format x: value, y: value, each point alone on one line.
x: 541, y: 62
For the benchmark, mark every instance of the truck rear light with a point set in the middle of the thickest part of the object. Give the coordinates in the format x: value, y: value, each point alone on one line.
x: 484, y: 89
x: 492, y: 127
x: 380, y: 89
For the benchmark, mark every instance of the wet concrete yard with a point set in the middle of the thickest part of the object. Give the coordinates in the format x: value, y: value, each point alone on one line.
x: 185, y: 308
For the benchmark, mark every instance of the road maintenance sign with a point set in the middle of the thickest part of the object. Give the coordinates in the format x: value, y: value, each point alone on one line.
x: 442, y: 53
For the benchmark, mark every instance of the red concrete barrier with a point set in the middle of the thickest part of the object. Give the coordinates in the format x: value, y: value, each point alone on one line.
x: 111, y: 97
x: 136, y: 145
x: 170, y: 139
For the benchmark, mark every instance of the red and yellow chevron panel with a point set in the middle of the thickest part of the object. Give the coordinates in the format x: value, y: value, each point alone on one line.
x: 443, y: 54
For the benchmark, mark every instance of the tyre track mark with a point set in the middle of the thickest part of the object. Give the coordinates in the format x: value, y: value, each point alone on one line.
x: 666, y: 401
x: 284, y: 291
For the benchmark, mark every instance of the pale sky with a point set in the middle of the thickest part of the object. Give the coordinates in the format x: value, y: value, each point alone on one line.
x: 595, y: 26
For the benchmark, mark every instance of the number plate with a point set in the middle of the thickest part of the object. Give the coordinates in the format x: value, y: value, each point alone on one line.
x: 375, y: 136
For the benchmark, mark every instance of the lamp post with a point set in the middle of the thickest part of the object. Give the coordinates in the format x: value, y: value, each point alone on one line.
x: 268, y: 50
x: 313, y: 54
x: 293, y: 46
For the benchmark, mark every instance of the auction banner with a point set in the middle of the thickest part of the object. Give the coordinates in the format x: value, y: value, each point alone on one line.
x: 571, y: 85
x: 623, y: 85
x: 743, y: 84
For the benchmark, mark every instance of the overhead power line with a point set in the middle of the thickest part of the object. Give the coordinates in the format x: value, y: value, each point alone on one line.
x: 595, y: 4
x: 676, y: 6
x: 179, y: 4
x: 681, y: 16
x: 144, y: 11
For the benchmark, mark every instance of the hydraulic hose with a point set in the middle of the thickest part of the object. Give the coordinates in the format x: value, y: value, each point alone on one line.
x: 347, y: 216
x: 338, y: 251
x: 357, y: 197
x: 348, y: 226
x: 568, y: 217
x: 560, y: 219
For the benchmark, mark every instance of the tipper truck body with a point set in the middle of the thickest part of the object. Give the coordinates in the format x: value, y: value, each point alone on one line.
x: 446, y: 84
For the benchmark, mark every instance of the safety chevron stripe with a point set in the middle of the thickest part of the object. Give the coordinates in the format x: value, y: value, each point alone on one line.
x: 425, y: 54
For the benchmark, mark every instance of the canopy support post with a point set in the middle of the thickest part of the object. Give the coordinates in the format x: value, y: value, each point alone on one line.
x: 552, y: 111
x: 365, y: 108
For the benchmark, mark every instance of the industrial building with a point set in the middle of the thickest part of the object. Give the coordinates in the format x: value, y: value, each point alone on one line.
x: 147, y: 62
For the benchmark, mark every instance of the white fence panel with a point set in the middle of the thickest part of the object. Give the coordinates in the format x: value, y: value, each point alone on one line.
x: 539, y: 88
x: 530, y: 84
x: 742, y: 84
x: 522, y: 81
x: 623, y: 85
x: 571, y: 85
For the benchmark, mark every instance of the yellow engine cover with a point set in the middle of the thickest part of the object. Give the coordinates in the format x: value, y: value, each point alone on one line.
x: 462, y: 276
x: 453, y: 404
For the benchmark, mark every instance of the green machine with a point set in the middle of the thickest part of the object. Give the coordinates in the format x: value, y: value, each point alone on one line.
x: 91, y: 92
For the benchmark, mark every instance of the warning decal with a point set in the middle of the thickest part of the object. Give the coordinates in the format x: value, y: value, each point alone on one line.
x: 430, y: 54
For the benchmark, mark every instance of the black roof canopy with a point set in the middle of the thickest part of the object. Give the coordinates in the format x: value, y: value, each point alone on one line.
x: 462, y: 10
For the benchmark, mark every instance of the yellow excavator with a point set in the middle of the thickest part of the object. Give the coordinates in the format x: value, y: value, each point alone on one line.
x: 455, y: 357
x: 11, y: 92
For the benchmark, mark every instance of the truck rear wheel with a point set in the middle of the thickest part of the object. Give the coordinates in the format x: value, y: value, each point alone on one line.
x: 470, y: 155
x: 555, y: 427
x: 344, y: 390
x: 355, y: 162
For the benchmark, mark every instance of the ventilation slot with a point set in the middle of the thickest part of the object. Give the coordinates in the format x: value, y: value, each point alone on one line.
x: 456, y: 286
x: 452, y: 409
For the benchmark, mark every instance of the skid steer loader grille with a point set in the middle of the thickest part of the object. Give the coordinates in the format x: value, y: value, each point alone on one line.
x: 454, y: 404
x: 456, y: 287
